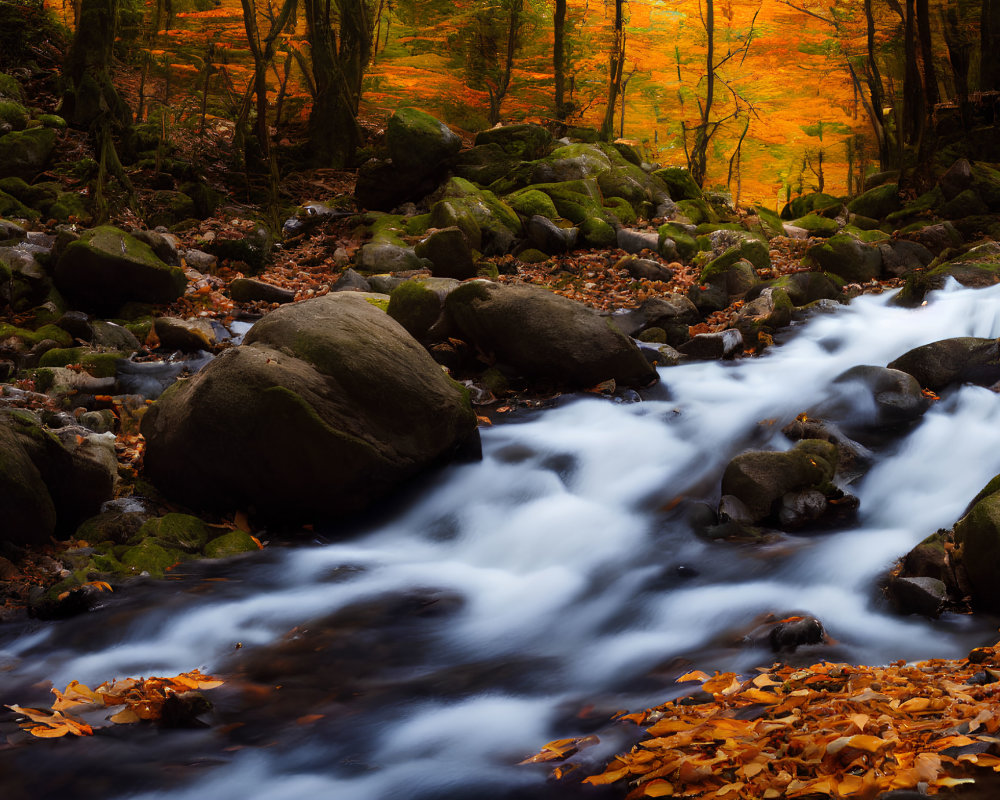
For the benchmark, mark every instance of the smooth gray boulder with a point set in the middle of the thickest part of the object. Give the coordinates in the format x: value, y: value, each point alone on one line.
x: 544, y: 335
x: 328, y: 406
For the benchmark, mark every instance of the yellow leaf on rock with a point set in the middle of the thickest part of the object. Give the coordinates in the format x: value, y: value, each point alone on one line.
x: 697, y: 675
x: 124, y: 717
x: 658, y: 788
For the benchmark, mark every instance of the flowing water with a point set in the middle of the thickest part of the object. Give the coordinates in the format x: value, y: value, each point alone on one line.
x: 522, y: 598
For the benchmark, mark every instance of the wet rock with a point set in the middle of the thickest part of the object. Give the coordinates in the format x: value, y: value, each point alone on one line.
x: 873, y: 397
x: 148, y: 379
x: 965, y: 359
x: 186, y: 335
x: 546, y: 336
x: 846, y: 257
x: 853, y: 458
x: 803, y: 288
x: 724, y: 344
x: 977, y: 535
x: 977, y: 268
x: 106, y: 267
x: 248, y: 290
x: 342, y: 406
x: 926, y: 596
x: 112, y: 336
x: 449, y: 253
x: 765, y: 314
x: 11, y: 231
x: 795, y: 632
x: 760, y: 479
x: 902, y: 256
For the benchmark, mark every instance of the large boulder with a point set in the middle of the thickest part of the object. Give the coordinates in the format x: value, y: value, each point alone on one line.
x: 965, y: 359
x: 106, y: 268
x: 23, y: 154
x: 760, y: 479
x: 977, y: 535
x: 488, y: 223
x: 877, y: 203
x: 867, y: 397
x: 546, y: 336
x: 328, y: 406
x: 50, y: 480
x: 525, y: 142
x: 846, y: 257
x: 418, y: 143
x: 977, y: 268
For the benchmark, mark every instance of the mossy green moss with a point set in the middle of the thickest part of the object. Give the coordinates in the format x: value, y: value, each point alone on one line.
x: 622, y: 209
x: 679, y: 183
x: 175, y: 532
x: 816, y: 225
x: 13, y: 114
x: 149, y: 557
x: 100, y: 365
x: 31, y: 338
x: 230, y: 544
x: 530, y: 202
x: 687, y: 246
x: 415, y: 307
x: 598, y: 233
x: 10, y: 87
x: 532, y: 256
x: 697, y: 211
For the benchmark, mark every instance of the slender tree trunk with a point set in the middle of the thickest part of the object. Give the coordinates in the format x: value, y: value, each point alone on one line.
x: 615, y: 67
x: 959, y: 56
x: 703, y: 133
x: 559, y: 58
x: 499, y: 92
x: 913, y: 96
x: 989, y: 31
x: 931, y: 94
x: 874, y: 80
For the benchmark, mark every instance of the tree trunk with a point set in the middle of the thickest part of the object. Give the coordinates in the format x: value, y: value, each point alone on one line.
x: 88, y: 69
x: 703, y: 134
x: 989, y: 31
x: 913, y: 96
x: 960, y: 58
x: 499, y: 92
x: 615, y: 67
x: 874, y: 80
x: 927, y: 55
x: 337, y: 73
x: 559, y: 58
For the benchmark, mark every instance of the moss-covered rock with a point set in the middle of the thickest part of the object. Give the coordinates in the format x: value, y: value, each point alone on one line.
x: 622, y: 209
x: 529, y: 202
x: 679, y: 182
x: 770, y: 223
x: 341, y: 400
x: 927, y: 202
x: 847, y: 257
x: 977, y: 268
x: 807, y: 287
x: 543, y: 335
x: 99, y: 364
x: 31, y: 338
x: 150, y: 558
x: 816, y: 201
x: 682, y: 237
x: 597, y: 232
x: 106, y: 267
x: 448, y: 251
x: 13, y: 114
x: 414, y: 306
x: 571, y: 162
x: 765, y: 314
x: 231, y: 544
x: 644, y: 192
x: 525, y: 142
x: 977, y: 535
x: 24, y: 154
x: 463, y: 204
x: 175, y: 532
x: 418, y: 142
x: 760, y: 479
x: 877, y: 203
x: 697, y: 211
x: 816, y: 225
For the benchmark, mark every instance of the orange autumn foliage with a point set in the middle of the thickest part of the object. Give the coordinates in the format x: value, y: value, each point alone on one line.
x: 834, y: 729
x: 141, y: 698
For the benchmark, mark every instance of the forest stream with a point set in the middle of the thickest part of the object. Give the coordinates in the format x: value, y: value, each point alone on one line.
x: 524, y: 597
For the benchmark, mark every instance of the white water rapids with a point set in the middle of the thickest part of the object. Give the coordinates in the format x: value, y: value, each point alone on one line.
x: 553, y: 566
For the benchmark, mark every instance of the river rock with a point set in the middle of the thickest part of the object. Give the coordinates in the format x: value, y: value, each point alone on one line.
x: 387, y: 257
x: 926, y: 596
x: 328, y: 406
x: 546, y: 336
x: 721, y: 283
x: 449, y: 253
x: 765, y: 314
x: 977, y: 535
x: 722, y: 344
x: 106, y: 268
x: 186, y: 335
x: 761, y: 479
x: 803, y: 288
x: 50, y: 480
x: 965, y: 359
x: 873, y: 397
x: 794, y: 632
x: 902, y: 256
x: 164, y: 245
x: 417, y: 304
x: 846, y: 257
x: 490, y: 225
x: 977, y: 268
x: 249, y: 290
x: 648, y: 269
